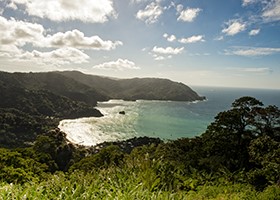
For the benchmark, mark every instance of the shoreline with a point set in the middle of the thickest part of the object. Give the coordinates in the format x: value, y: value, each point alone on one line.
x: 88, y: 131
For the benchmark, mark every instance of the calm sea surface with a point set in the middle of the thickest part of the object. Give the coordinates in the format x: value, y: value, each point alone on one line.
x: 164, y: 119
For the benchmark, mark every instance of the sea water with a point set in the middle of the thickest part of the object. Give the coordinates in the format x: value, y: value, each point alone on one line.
x: 163, y: 119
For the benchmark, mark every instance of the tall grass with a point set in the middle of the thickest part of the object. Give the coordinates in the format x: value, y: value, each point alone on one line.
x: 117, y: 183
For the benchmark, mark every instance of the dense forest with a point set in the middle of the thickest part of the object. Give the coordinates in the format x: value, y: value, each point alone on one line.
x: 237, y: 157
x: 89, y: 88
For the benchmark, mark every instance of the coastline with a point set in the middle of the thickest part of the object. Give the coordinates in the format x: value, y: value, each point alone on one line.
x: 172, y: 119
x: 112, y: 126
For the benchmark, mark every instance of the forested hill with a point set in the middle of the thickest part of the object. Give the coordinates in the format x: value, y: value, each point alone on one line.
x: 90, y: 89
x: 136, y: 88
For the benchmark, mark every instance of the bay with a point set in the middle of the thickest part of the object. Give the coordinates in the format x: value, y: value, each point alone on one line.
x: 163, y: 119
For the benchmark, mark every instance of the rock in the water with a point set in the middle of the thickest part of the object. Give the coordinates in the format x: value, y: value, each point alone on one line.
x: 122, y: 112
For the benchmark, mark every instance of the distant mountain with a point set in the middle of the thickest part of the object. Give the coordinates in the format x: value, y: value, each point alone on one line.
x: 90, y: 89
x: 136, y: 88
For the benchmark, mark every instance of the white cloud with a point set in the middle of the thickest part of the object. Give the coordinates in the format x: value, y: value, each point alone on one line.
x: 219, y: 38
x: 179, y: 8
x: 56, y: 57
x: 168, y: 50
x: 170, y: 38
x: 257, y: 70
x: 248, y: 2
x: 161, y: 57
x: 252, y: 69
x: 252, y: 51
x: 158, y: 58
x: 95, y: 11
x: 233, y: 27
x: 199, y: 54
x: 272, y: 11
x: 16, y: 35
x: 160, y: 53
x: 151, y: 13
x: 254, y: 32
x: 187, y: 15
x: 119, y: 65
x: 77, y: 39
x: 192, y: 39
x: 19, y: 33
x: 138, y: 1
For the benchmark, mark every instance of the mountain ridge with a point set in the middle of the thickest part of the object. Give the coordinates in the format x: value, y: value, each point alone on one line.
x: 136, y: 88
x: 89, y: 89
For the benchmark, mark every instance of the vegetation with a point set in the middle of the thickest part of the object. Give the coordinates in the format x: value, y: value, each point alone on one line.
x: 89, y: 89
x: 43, y: 102
x: 238, y: 157
x: 137, y: 88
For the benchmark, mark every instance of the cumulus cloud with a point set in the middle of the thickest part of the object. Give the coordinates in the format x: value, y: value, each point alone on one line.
x: 77, y: 39
x: 15, y: 35
x: 187, y: 15
x: 252, y: 51
x: 160, y: 53
x: 56, y: 57
x: 151, y: 13
x: 168, y: 50
x: 94, y: 11
x: 19, y: 33
x: 233, y: 27
x: 192, y: 39
x: 119, y: 65
x: 254, y: 32
x: 170, y: 38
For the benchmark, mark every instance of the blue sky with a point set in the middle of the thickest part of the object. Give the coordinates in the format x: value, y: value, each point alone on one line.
x: 231, y: 43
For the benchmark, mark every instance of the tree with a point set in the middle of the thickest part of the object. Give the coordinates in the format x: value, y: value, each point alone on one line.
x: 265, y: 153
x: 226, y: 139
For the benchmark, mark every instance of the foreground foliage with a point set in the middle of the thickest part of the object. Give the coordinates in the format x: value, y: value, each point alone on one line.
x: 115, y: 183
x: 238, y: 157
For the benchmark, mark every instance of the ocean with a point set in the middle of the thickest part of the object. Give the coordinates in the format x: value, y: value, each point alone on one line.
x: 164, y: 119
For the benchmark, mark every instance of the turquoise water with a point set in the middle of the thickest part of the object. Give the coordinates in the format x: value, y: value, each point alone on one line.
x: 171, y: 120
x: 163, y: 119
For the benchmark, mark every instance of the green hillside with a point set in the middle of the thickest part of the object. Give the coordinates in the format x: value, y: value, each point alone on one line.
x: 137, y: 88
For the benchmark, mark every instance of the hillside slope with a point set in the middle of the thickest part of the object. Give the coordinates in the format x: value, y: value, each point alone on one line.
x: 136, y: 88
x: 55, y: 83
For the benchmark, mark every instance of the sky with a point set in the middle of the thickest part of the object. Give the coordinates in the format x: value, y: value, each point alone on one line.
x: 229, y: 43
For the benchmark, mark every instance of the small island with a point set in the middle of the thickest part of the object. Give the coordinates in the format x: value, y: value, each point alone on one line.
x: 122, y: 112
